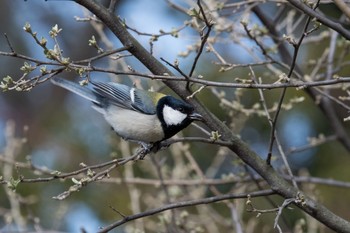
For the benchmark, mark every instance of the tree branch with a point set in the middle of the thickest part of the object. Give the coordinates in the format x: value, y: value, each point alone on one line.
x: 284, y: 91
x: 277, y: 183
x: 329, y: 23
x: 182, y: 204
x: 325, y: 104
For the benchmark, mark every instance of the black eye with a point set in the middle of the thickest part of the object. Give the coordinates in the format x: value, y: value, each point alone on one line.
x: 181, y: 109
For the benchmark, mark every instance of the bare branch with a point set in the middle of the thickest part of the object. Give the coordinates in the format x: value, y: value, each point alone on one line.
x: 324, y: 20
x: 224, y: 181
x: 112, y: 5
x: 102, y: 55
x: 283, y: 93
x: 204, y: 38
x: 182, y: 204
x: 248, y: 156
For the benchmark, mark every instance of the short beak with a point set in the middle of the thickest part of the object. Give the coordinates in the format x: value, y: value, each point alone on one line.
x: 196, y: 117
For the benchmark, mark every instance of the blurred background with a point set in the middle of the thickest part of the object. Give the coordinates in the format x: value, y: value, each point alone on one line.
x: 59, y: 130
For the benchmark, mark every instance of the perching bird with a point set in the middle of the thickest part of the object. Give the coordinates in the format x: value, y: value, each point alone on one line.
x: 136, y: 115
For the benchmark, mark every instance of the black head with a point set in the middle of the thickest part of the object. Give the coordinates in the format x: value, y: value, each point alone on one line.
x: 175, y: 115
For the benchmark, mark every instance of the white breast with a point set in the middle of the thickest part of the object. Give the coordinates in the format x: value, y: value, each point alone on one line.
x: 133, y: 125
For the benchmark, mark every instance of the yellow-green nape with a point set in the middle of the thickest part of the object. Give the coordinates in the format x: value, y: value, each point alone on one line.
x: 156, y: 96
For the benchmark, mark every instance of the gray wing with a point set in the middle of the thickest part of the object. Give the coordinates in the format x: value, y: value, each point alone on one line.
x: 76, y: 88
x: 125, y: 97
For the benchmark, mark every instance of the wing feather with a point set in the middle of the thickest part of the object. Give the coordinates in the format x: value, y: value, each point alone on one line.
x: 128, y: 97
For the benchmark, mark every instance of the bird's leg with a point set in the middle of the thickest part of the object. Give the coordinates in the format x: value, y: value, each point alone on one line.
x: 148, y: 148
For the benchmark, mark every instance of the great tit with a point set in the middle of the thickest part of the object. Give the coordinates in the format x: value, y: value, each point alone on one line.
x: 134, y: 114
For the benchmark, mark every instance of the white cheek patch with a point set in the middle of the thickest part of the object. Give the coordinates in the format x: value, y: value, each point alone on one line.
x: 172, y: 116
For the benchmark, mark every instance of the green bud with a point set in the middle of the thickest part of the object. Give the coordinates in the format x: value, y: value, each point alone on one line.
x: 153, y: 38
x: 8, y: 79
x: 193, y: 12
x: 4, y: 86
x: 81, y: 71
x: 55, y: 173
x: 43, y: 41
x: 54, y: 31
x: 66, y: 61
x: 13, y: 183
x: 75, y: 181
x: 27, y: 68
x: 27, y: 27
x: 43, y: 70
x: 215, y: 135
x: 175, y: 33
x: 92, y: 41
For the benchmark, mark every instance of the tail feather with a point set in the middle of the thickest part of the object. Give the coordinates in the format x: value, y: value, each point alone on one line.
x: 76, y: 88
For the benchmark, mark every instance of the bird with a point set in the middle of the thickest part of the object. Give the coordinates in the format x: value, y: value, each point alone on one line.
x: 145, y: 117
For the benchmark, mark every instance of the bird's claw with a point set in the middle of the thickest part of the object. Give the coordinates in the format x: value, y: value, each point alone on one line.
x: 148, y: 148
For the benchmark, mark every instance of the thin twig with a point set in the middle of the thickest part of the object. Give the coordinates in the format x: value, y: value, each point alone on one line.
x: 9, y: 43
x: 172, y: 227
x: 182, y: 204
x: 224, y: 181
x: 112, y: 5
x: 203, y: 39
x: 268, y: 86
x: 324, y: 20
x: 269, y: 119
x: 176, y: 67
x: 104, y: 54
x: 55, y: 176
x: 284, y: 91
